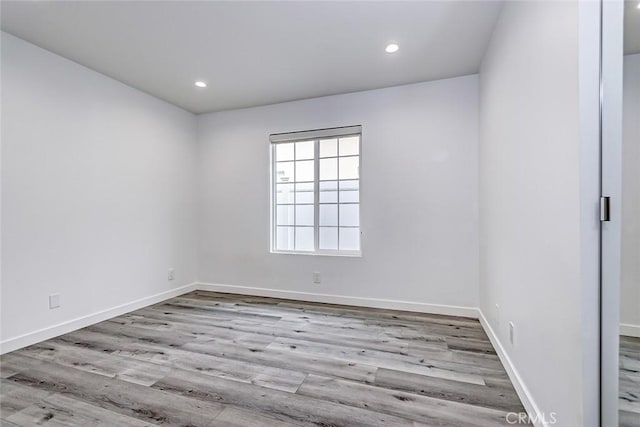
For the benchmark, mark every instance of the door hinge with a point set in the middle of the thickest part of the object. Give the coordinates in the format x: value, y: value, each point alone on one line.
x: 605, y: 208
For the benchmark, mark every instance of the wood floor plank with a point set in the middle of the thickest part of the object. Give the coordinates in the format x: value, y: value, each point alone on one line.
x: 433, y: 368
x: 217, y: 312
x: 238, y: 370
x: 629, y: 419
x: 296, y: 330
x: 286, y: 360
x: 629, y: 382
x: 630, y: 365
x: 176, y: 316
x: 306, y: 331
x: 16, y: 397
x: 419, y: 408
x: 629, y: 394
x: 360, y: 331
x: 326, y: 323
x: 475, y: 346
x: 361, y: 315
x: 503, y: 398
x: 59, y: 410
x: 12, y: 363
x: 133, y: 400
x: 137, y: 349
x: 283, y: 406
x: 180, y: 336
x: 418, y: 331
x: 380, y: 340
x: 232, y: 417
x: 106, y: 364
x: 175, y: 339
x: 144, y: 366
x: 366, y: 312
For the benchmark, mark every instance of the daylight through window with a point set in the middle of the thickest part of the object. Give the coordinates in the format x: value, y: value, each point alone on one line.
x: 316, y: 191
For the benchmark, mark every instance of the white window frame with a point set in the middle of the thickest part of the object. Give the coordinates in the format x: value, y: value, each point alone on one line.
x: 316, y: 136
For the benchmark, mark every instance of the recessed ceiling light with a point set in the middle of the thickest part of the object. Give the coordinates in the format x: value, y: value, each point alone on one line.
x: 200, y: 83
x: 638, y: 6
x: 391, y: 48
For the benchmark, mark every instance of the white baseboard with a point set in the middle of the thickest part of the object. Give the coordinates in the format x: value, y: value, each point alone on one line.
x: 630, y: 330
x: 523, y: 392
x: 72, y: 325
x: 449, y: 310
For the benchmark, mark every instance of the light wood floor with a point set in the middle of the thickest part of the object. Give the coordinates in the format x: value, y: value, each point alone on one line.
x: 228, y: 360
x: 629, y: 382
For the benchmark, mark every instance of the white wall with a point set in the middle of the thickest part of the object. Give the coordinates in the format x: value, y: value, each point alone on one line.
x: 98, y: 191
x: 630, y: 273
x: 419, y: 195
x: 531, y: 207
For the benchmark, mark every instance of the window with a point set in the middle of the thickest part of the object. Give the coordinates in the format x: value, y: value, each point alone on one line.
x: 316, y: 191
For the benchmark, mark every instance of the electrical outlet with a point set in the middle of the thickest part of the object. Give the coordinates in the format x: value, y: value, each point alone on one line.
x: 512, y: 333
x: 54, y: 301
x: 170, y: 274
x: 316, y: 277
x: 497, y: 319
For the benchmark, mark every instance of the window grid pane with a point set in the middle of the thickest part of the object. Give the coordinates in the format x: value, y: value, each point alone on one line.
x: 284, y: 238
x: 349, y: 239
x: 285, y: 171
x: 304, y: 193
x: 304, y: 239
x: 349, y: 145
x: 284, y: 152
x: 328, y: 238
x: 328, y: 147
x: 305, y: 150
x: 318, y: 183
x: 284, y: 193
x: 304, y: 215
x: 328, y: 169
x: 285, y: 215
x: 304, y: 170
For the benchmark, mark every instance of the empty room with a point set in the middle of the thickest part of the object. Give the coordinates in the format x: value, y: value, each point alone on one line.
x: 320, y: 213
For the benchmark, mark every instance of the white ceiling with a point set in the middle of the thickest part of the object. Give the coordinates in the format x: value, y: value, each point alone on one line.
x: 256, y: 53
x: 631, y: 27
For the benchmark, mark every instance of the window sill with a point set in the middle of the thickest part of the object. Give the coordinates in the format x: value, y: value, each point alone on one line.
x: 329, y: 254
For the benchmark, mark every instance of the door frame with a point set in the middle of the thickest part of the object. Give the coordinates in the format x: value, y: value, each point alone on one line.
x: 611, y: 70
